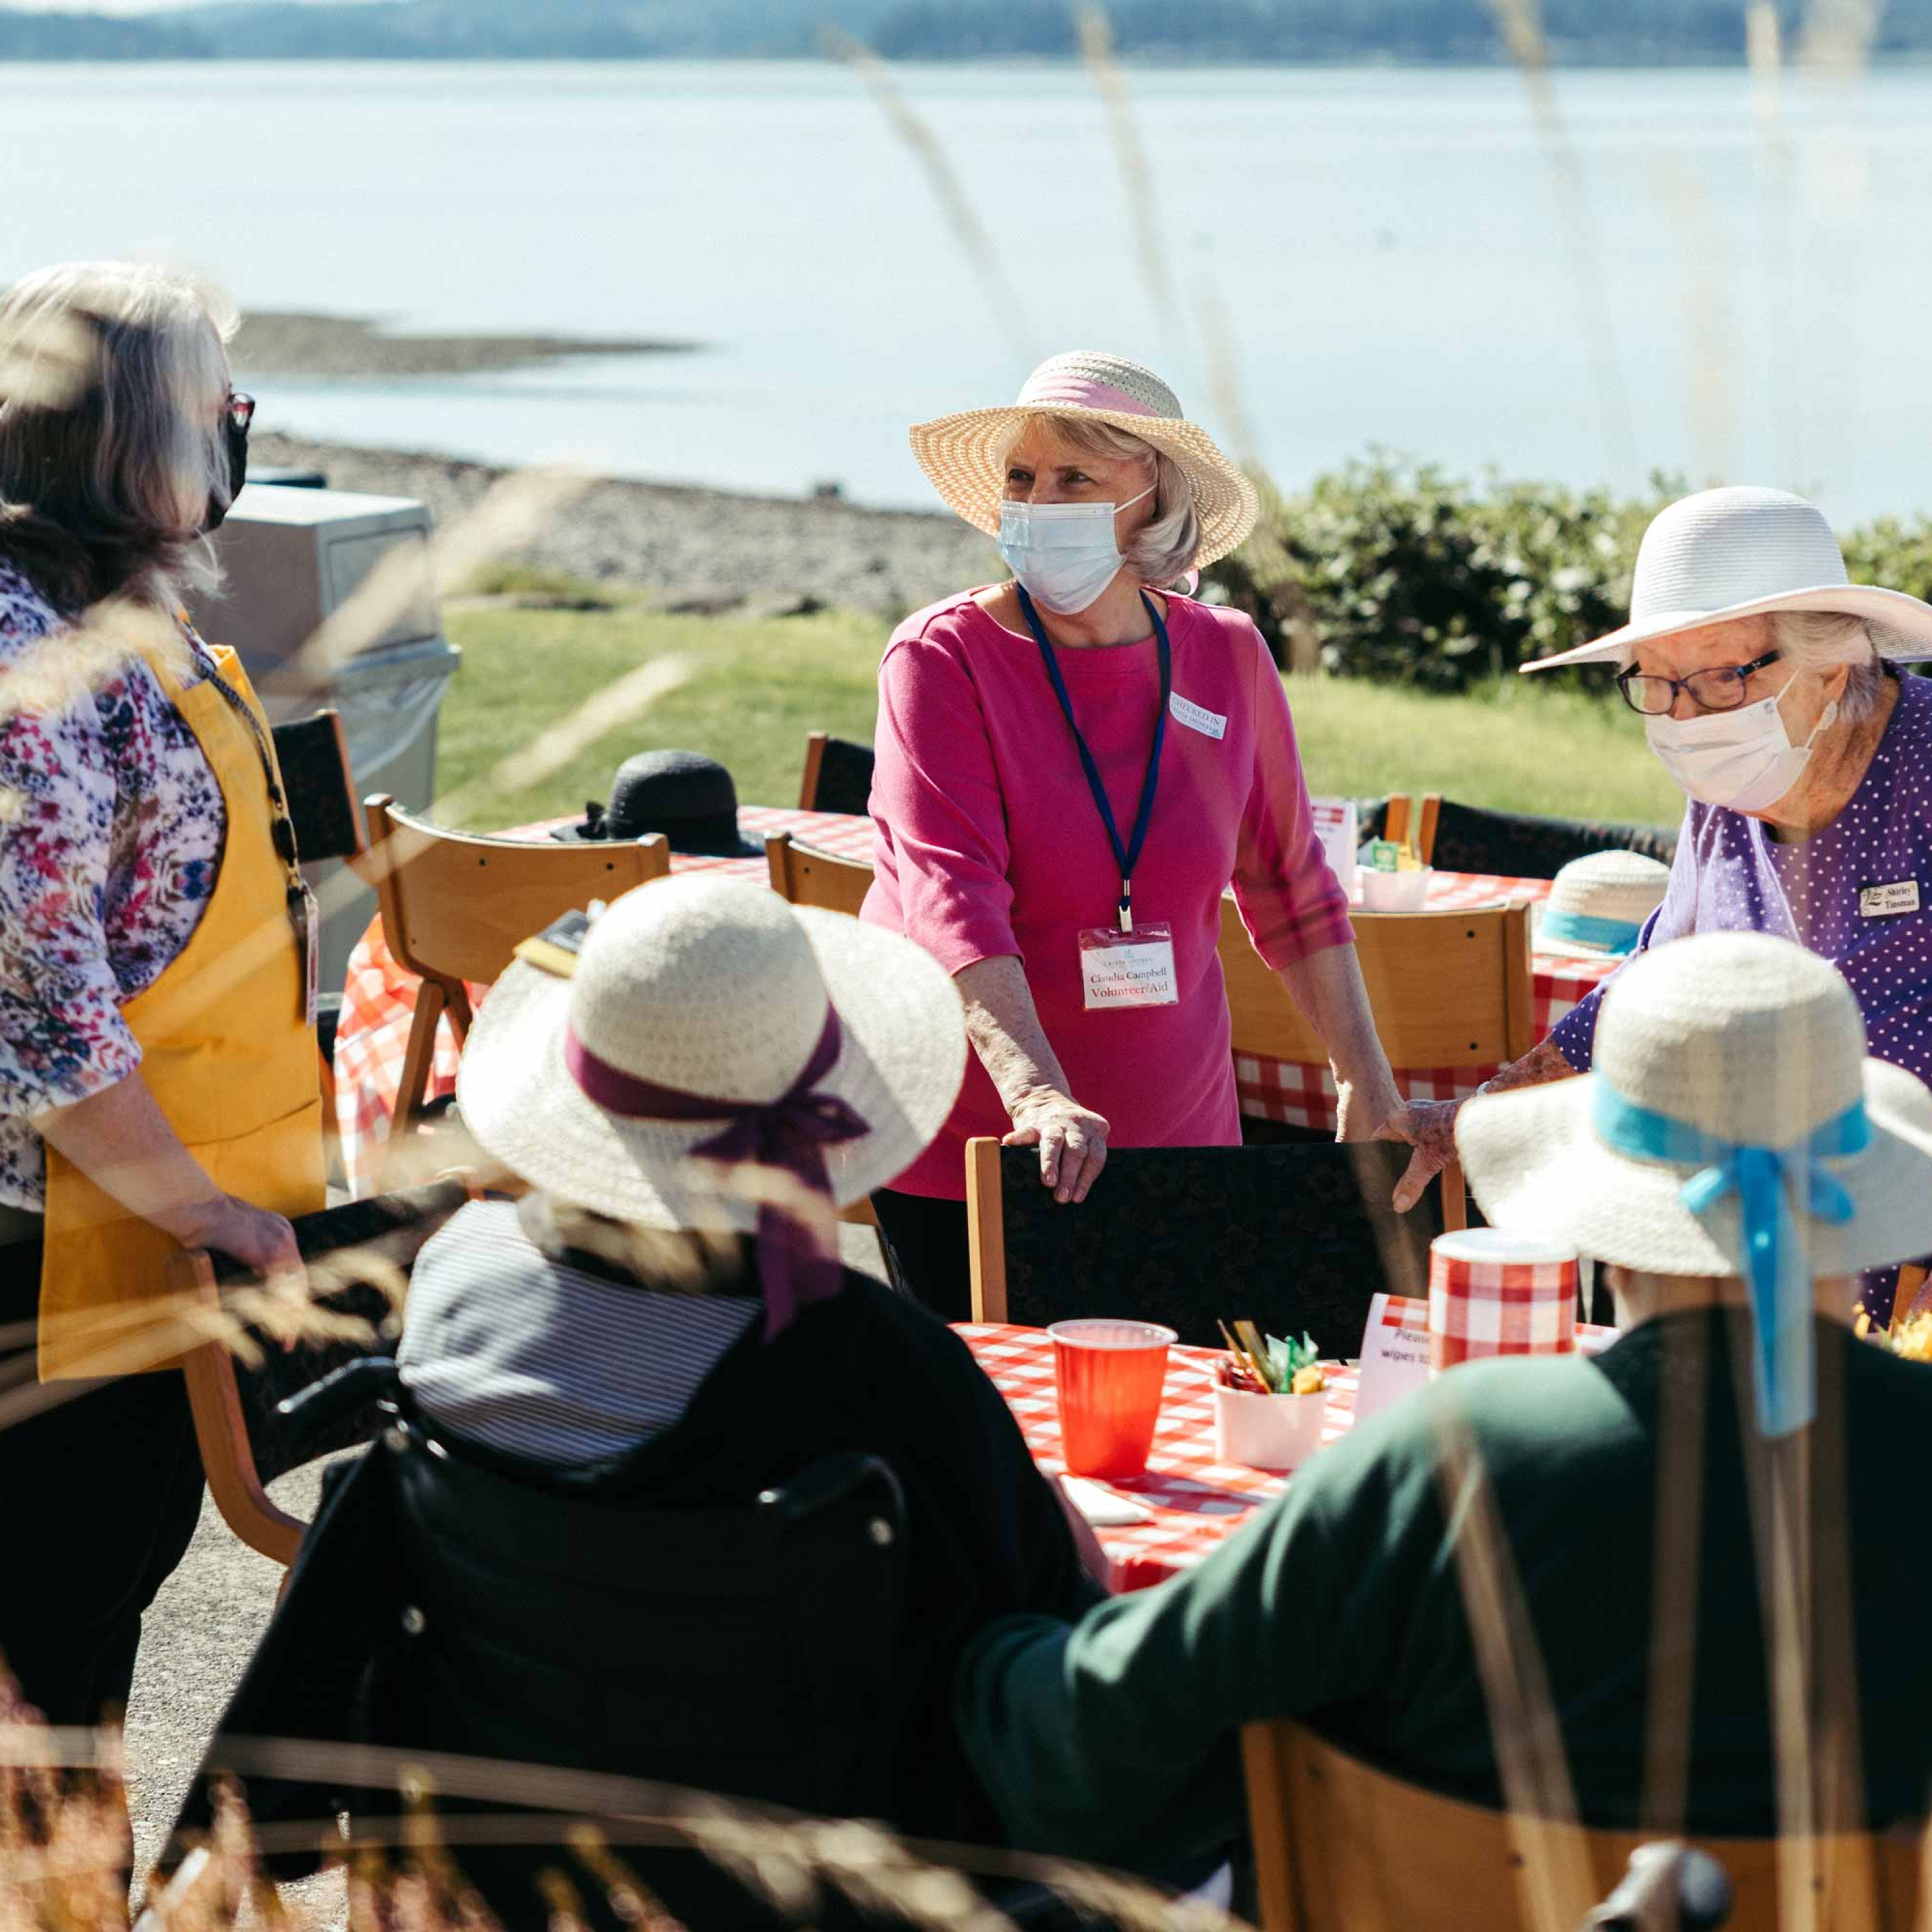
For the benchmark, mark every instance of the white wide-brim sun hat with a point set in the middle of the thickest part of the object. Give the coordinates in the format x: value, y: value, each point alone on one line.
x: 963, y: 454
x: 1755, y: 1041
x: 718, y: 987
x: 1747, y: 552
x: 1598, y: 903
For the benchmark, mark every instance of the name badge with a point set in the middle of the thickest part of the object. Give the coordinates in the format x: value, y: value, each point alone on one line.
x: 1128, y: 969
x: 1197, y: 717
x: 1883, y: 902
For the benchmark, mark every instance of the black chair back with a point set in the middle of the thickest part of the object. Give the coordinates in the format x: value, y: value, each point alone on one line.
x: 844, y: 779
x: 365, y: 1238
x: 1293, y: 1237
x: 1517, y: 846
x: 319, y: 787
x: 439, y: 1605
x: 750, y: 1652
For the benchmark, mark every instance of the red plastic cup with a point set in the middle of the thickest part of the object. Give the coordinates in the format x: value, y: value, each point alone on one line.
x: 1109, y: 1375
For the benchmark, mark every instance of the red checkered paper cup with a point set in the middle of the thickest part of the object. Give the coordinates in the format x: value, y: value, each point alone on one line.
x: 1494, y: 1292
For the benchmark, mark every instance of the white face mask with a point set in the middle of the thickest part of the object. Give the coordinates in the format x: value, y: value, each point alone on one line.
x: 1743, y: 759
x: 1064, y: 553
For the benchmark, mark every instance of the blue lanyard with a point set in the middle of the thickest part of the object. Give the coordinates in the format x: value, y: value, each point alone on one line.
x: 1128, y: 854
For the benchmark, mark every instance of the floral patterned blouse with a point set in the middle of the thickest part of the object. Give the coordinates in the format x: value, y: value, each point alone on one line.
x: 111, y: 833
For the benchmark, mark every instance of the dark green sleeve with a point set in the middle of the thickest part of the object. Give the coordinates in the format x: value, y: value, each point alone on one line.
x: 1115, y: 1739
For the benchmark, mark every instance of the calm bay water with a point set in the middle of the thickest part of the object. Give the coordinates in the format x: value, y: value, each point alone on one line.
x: 1387, y: 257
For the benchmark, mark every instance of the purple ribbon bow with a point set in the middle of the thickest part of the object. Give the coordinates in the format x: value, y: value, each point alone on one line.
x: 791, y: 1134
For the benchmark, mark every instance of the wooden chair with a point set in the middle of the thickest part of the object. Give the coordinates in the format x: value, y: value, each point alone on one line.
x: 1340, y: 1847
x: 455, y: 906
x: 1295, y: 1237
x: 1446, y: 989
x: 1521, y: 845
x: 244, y: 1444
x: 313, y: 755
x: 838, y: 776
x: 803, y: 876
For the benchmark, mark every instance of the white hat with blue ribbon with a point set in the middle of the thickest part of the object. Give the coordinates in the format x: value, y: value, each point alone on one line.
x: 1732, y: 1125
x: 1598, y: 903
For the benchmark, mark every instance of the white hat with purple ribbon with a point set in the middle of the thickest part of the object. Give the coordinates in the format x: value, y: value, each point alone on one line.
x: 1732, y: 1125
x: 703, y: 1041
x: 965, y: 453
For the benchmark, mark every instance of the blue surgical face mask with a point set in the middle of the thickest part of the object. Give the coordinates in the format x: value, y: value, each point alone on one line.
x: 1064, y: 553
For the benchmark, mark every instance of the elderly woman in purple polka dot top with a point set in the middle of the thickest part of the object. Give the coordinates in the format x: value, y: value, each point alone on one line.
x: 1767, y: 684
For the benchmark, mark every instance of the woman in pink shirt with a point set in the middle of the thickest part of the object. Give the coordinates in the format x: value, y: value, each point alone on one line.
x: 1072, y: 766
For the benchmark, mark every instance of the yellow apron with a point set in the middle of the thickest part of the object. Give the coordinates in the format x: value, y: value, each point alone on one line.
x: 226, y: 1051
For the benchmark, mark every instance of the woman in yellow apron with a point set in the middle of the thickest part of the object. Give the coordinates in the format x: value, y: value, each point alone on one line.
x: 157, y: 1075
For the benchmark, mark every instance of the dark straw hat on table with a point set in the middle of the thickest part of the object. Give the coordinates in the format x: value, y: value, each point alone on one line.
x: 689, y: 798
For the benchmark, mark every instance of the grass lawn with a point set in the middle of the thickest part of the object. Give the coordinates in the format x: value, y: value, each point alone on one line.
x: 757, y: 688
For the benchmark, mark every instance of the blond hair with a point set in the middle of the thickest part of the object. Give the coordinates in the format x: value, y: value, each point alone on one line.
x: 1163, y: 548
x: 112, y: 444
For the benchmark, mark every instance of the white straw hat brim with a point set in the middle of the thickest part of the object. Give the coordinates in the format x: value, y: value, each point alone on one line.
x: 900, y: 1065
x: 963, y: 454
x: 1906, y: 618
x: 1535, y: 1163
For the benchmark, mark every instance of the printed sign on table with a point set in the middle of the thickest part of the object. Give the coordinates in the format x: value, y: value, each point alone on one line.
x: 1395, y: 1352
x: 1336, y: 827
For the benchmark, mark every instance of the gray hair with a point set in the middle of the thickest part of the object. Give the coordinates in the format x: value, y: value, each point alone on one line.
x: 1163, y: 549
x: 1818, y: 641
x: 112, y: 445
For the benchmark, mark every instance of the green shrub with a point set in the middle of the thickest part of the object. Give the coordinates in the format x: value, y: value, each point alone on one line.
x: 1399, y: 572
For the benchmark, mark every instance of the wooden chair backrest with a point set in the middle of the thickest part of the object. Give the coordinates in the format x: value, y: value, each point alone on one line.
x: 455, y: 906
x: 814, y: 760
x: 801, y: 875
x: 837, y: 774
x: 235, y: 1481
x: 1446, y: 989
x: 1341, y: 1847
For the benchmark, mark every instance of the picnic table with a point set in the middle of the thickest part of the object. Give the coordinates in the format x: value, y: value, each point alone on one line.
x: 1194, y: 1501
x: 379, y: 1001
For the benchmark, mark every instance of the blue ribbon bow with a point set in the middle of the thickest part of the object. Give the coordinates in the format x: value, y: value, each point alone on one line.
x: 1613, y: 935
x: 1767, y: 1181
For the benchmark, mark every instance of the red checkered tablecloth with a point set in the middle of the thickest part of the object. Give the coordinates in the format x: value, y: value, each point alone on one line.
x: 1304, y: 1096
x: 1195, y: 1500
x: 379, y: 996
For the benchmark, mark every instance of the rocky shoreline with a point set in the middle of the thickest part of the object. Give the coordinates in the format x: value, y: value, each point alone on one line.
x: 695, y: 548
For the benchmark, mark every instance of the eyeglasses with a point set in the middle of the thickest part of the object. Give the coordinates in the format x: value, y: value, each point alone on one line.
x: 1720, y: 688
x: 240, y: 411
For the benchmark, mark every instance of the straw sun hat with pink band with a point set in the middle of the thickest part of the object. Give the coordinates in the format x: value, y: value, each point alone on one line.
x: 965, y: 453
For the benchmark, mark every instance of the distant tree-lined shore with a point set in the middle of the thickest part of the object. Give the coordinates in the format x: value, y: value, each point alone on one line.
x: 1579, y: 31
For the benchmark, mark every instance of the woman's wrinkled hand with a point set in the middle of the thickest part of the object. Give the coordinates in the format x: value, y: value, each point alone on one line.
x: 1072, y: 1140
x: 254, y: 1236
x: 1429, y: 1127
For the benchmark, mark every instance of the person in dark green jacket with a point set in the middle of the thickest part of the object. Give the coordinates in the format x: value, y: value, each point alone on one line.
x: 1733, y: 1160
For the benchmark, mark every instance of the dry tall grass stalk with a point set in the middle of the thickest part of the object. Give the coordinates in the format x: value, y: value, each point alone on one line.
x: 1137, y: 183
x: 948, y: 189
x: 1838, y: 35
x: 1710, y: 327
x: 1555, y: 1886
x: 781, y: 1854
x: 1679, y: 1503
x: 1521, y: 24
x: 1764, y: 54
x: 47, y: 362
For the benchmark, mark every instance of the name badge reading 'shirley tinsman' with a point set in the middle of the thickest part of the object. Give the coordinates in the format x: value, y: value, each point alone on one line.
x: 1882, y: 902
